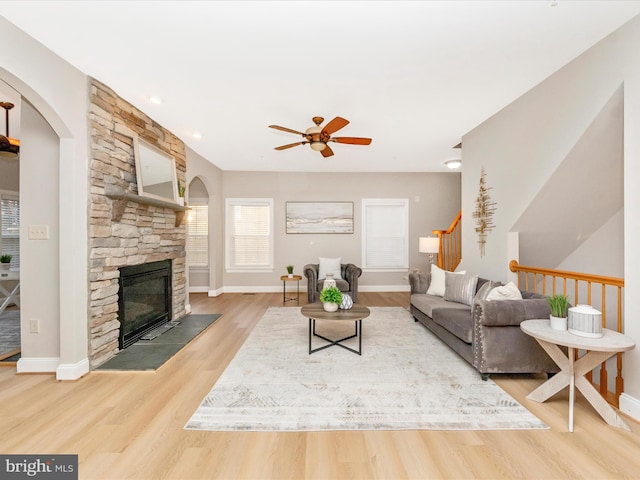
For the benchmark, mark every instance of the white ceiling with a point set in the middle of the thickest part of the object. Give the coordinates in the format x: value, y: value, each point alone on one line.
x: 414, y: 76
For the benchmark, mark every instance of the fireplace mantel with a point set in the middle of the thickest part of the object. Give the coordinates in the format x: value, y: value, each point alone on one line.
x: 121, y: 197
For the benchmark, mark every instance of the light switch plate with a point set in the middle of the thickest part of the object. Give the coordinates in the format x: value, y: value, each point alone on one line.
x: 38, y: 232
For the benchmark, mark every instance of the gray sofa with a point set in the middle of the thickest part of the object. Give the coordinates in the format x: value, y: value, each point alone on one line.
x: 486, y: 334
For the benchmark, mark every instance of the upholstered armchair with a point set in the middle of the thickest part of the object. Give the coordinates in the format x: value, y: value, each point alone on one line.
x: 348, y: 284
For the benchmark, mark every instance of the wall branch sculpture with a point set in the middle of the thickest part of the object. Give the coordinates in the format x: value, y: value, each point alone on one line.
x: 485, y: 208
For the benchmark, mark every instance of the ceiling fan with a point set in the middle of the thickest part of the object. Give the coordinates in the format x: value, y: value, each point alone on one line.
x: 318, y: 137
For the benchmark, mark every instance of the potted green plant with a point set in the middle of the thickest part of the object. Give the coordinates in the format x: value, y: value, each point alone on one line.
x: 559, y: 305
x: 290, y: 270
x: 5, y: 262
x: 331, y: 298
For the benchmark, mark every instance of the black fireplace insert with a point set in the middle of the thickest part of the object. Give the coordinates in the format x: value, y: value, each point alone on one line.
x: 144, y: 299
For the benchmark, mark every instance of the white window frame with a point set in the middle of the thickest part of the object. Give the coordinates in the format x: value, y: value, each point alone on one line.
x: 193, y: 205
x: 15, y: 261
x: 402, y: 204
x: 229, y: 230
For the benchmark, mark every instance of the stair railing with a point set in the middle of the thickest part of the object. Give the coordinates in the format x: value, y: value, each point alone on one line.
x: 550, y: 282
x: 450, y: 240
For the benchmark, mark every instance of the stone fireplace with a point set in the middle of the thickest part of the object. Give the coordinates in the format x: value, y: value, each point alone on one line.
x: 126, y: 230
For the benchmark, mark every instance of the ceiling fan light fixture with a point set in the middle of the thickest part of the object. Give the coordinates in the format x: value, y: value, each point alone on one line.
x: 452, y: 164
x: 318, y: 146
x: 9, y: 147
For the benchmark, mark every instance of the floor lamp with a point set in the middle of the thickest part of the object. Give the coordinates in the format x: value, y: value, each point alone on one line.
x: 430, y: 246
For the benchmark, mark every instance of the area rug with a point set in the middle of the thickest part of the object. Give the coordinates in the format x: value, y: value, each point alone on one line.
x: 9, y: 331
x: 406, y: 379
x: 152, y: 354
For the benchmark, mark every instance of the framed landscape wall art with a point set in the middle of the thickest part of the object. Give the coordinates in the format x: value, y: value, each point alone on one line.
x: 319, y: 217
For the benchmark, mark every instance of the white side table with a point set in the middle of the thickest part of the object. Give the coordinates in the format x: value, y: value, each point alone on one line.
x: 572, y: 371
x: 10, y: 296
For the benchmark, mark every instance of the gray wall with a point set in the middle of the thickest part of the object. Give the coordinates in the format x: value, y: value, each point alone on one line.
x: 521, y: 148
x: 434, y: 200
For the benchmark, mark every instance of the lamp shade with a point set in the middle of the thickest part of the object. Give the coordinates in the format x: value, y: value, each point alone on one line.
x: 429, y: 245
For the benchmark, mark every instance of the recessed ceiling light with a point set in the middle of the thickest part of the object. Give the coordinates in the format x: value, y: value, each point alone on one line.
x: 453, y: 163
x: 197, y: 135
x: 155, y: 100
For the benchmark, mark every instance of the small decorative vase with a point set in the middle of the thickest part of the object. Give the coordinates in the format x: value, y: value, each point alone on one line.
x: 329, y: 281
x: 346, y: 303
x: 330, y: 306
x: 181, y: 201
x: 558, y: 323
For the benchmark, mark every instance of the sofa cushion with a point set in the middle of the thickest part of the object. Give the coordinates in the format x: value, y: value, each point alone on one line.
x: 329, y: 265
x: 427, y: 303
x: 505, y: 292
x: 437, y: 285
x: 455, y: 320
x: 342, y: 285
x: 484, y: 290
x: 460, y: 288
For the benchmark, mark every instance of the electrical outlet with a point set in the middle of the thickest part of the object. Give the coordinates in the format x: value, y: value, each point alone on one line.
x: 38, y: 232
x: 34, y: 326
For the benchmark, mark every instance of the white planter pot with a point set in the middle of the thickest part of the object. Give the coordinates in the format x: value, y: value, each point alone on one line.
x: 290, y: 275
x: 5, y: 266
x: 330, y: 307
x: 558, y: 323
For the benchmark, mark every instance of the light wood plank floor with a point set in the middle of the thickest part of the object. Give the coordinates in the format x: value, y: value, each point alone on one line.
x: 129, y: 425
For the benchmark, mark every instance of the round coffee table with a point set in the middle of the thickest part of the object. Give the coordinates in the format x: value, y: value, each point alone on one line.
x: 315, y: 311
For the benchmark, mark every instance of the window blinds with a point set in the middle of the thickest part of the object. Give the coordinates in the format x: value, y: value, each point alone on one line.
x: 198, y: 236
x: 10, y: 228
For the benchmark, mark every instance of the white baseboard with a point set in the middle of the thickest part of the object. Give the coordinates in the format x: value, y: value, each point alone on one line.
x: 384, y: 288
x: 37, y: 364
x: 253, y: 289
x: 198, y: 289
x: 630, y: 406
x: 72, y: 371
x: 303, y: 289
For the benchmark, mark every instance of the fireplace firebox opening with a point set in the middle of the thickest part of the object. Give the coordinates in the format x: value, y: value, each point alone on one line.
x: 144, y: 300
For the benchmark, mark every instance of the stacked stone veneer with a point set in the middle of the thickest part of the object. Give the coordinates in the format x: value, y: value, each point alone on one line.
x: 144, y: 233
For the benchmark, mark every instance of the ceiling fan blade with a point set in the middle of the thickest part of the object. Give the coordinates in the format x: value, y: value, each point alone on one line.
x: 283, y: 147
x: 284, y: 129
x: 327, y: 152
x: 335, y: 125
x: 352, y: 140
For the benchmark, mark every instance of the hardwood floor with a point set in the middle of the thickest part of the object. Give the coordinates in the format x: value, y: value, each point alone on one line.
x: 129, y: 425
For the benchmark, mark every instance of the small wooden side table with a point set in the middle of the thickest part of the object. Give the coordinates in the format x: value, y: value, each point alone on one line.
x: 573, y: 371
x: 285, y: 279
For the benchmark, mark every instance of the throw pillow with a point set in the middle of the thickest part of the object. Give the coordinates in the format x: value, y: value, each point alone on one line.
x: 437, y: 285
x: 460, y: 288
x: 329, y: 265
x: 505, y: 292
x: 484, y: 290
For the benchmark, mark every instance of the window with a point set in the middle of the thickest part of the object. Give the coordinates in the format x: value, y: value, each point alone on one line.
x: 198, y: 236
x: 10, y: 227
x: 249, y: 234
x: 385, y: 239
